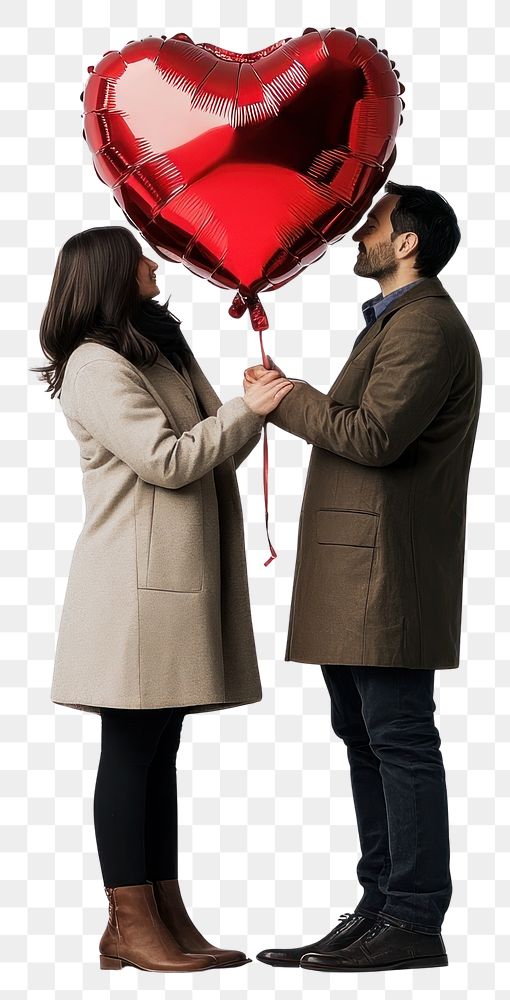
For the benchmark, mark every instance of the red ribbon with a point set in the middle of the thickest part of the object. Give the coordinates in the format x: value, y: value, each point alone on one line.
x: 273, y: 555
x: 259, y: 322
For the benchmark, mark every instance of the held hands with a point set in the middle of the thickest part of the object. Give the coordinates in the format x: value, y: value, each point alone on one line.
x: 264, y: 388
x: 254, y: 373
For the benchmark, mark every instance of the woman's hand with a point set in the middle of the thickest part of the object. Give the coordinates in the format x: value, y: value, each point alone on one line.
x: 255, y: 372
x: 263, y: 394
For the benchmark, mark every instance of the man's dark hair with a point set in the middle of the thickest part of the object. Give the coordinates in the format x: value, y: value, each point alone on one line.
x: 429, y: 215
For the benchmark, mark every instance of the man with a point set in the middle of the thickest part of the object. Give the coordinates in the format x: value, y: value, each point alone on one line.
x: 377, y: 595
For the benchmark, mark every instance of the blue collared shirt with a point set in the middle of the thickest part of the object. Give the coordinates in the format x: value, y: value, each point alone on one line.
x: 373, y: 308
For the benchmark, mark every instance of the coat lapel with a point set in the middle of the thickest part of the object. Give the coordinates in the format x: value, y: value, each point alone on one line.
x: 427, y: 287
x: 197, y: 381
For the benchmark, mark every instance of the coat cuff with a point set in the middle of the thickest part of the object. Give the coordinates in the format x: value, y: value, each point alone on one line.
x: 238, y: 410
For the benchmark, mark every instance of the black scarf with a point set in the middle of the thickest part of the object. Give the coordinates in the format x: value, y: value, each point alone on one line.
x: 155, y: 322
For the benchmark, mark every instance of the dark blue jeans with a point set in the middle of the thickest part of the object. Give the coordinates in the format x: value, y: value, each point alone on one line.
x: 385, y: 716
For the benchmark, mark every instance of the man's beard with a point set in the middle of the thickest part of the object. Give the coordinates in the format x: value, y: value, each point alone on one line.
x: 379, y: 262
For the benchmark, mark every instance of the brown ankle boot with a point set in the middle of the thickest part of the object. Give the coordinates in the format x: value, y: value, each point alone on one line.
x: 176, y: 918
x: 136, y: 935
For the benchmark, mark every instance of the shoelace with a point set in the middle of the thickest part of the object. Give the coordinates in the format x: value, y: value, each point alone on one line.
x: 343, y: 918
x: 376, y: 928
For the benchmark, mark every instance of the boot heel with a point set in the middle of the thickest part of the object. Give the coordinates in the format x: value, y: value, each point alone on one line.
x: 106, y: 962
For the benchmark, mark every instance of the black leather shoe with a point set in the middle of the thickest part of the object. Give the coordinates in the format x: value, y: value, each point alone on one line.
x: 383, y: 947
x: 351, y: 927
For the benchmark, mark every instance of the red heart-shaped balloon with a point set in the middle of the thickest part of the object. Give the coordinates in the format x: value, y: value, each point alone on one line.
x: 244, y: 167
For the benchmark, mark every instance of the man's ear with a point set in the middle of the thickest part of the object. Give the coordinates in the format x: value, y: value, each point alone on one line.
x: 406, y: 244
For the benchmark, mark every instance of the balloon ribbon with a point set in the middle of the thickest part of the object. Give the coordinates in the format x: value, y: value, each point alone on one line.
x: 259, y: 323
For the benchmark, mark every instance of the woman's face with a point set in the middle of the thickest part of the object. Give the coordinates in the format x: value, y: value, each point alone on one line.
x: 146, y: 277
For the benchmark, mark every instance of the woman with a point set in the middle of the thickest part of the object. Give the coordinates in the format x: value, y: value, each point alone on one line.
x: 156, y: 619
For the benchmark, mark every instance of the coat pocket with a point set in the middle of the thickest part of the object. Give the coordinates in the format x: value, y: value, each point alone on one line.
x: 343, y: 558
x: 351, y: 383
x: 335, y: 526
x: 169, y: 537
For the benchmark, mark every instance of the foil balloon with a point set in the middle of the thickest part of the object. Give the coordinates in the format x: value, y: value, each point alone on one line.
x: 244, y: 167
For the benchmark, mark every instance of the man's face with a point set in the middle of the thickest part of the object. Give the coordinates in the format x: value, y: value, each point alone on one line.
x: 376, y: 257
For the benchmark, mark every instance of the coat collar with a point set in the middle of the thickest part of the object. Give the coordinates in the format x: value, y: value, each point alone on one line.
x: 380, y: 302
x: 423, y: 289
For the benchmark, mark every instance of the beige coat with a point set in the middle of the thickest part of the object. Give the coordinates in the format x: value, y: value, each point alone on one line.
x: 380, y: 555
x: 156, y: 611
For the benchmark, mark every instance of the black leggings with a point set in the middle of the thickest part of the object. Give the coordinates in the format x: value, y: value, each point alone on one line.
x: 135, y: 798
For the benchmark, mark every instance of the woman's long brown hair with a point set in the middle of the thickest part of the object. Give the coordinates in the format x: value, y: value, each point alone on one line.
x: 94, y: 294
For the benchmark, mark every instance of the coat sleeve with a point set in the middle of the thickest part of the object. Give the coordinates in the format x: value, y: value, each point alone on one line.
x: 115, y: 406
x: 409, y: 383
x: 239, y: 456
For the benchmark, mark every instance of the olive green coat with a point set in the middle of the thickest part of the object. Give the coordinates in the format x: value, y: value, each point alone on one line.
x: 156, y: 610
x: 379, y: 568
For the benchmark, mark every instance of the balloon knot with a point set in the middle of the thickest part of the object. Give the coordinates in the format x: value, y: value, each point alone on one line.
x: 257, y: 312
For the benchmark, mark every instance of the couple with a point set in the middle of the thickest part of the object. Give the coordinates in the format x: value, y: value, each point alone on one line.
x: 156, y: 620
